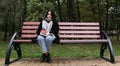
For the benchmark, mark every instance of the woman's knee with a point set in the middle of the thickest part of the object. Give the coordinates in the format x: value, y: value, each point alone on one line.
x: 40, y: 38
x: 50, y: 38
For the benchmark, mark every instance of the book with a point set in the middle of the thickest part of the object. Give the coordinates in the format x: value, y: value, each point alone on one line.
x: 43, y: 32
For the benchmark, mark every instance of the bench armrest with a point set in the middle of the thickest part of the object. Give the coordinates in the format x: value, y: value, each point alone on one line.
x: 105, y: 35
x: 14, y: 35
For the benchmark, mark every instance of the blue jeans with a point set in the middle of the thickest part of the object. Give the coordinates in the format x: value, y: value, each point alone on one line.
x: 45, y: 42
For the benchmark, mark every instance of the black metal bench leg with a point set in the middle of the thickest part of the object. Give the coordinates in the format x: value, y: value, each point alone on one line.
x: 10, y: 47
x: 7, y: 59
x: 103, y: 47
x: 109, y: 45
x: 18, y: 50
x: 111, y: 52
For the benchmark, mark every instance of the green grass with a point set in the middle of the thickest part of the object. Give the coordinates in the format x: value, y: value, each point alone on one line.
x: 61, y: 51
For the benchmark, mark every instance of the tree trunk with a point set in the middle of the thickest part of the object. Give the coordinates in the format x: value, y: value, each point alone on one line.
x: 14, y: 15
x: 59, y: 9
x: 106, y: 25
x: 69, y: 10
x: 99, y: 13
x: 6, y: 25
x: 41, y: 0
x: 78, y: 11
x: 6, y: 21
x: 24, y: 10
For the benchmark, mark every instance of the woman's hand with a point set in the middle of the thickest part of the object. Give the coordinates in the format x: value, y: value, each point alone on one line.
x: 43, y: 31
x: 47, y: 33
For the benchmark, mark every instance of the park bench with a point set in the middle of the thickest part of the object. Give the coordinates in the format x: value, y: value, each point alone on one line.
x: 70, y: 32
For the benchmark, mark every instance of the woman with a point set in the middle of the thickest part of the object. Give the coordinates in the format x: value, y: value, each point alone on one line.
x: 47, y: 33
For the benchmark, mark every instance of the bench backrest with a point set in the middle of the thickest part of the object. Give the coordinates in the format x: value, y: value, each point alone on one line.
x: 79, y: 30
x: 29, y: 30
x: 68, y: 30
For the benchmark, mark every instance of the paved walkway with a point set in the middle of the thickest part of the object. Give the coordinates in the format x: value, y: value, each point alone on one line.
x: 63, y: 62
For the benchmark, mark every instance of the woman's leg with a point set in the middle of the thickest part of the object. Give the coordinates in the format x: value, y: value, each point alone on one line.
x: 45, y: 43
x: 42, y: 43
x: 49, y: 40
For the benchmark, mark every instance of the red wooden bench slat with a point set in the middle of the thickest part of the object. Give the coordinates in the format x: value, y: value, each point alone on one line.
x: 22, y: 41
x: 30, y: 27
x: 78, y: 23
x: 84, y: 41
x: 79, y: 32
x: 79, y: 28
x: 28, y: 31
x: 31, y: 23
x: 80, y: 36
x: 28, y: 35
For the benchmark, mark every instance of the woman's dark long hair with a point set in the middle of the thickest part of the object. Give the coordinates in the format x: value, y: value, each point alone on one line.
x: 52, y: 14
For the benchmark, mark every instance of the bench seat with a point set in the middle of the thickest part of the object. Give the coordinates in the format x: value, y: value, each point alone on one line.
x: 22, y: 41
x: 83, y: 41
x: 66, y: 41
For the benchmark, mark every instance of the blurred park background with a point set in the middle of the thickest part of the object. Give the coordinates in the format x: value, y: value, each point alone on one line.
x: 14, y: 12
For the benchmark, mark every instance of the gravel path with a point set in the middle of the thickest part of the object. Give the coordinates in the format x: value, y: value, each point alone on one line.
x: 64, y: 62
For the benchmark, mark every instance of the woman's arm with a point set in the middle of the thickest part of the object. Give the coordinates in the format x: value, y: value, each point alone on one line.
x: 39, y: 29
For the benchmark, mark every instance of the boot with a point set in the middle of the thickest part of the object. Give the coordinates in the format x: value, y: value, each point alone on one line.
x: 42, y: 58
x: 49, y: 58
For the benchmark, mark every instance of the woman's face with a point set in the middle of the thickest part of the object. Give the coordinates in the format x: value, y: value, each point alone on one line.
x: 49, y: 16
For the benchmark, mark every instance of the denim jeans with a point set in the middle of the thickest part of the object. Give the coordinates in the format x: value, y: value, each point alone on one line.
x: 45, y: 42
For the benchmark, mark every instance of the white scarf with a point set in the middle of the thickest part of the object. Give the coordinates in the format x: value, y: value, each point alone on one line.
x: 47, y: 25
